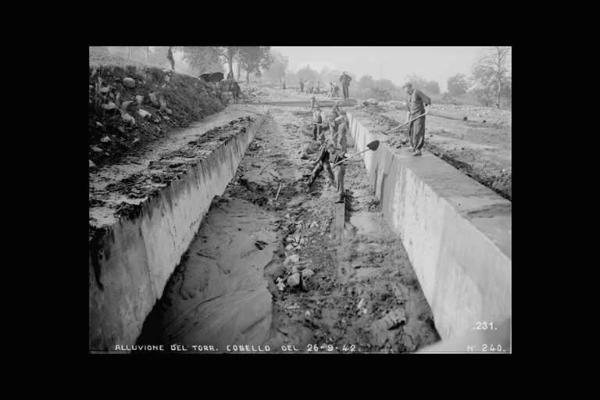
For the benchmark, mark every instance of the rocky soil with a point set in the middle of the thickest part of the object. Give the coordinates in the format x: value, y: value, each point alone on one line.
x: 269, y: 267
x: 130, y: 106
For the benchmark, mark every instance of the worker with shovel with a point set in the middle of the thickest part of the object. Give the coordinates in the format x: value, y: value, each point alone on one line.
x: 417, y: 101
x: 341, y: 145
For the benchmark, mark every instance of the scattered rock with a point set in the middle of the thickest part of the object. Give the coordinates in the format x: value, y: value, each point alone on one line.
x: 293, y: 280
x: 294, y: 258
x: 128, y: 118
x: 280, y: 284
x: 129, y: 82
x: 96, y: 149
x: 109, y: 106
x: 143, y: 113
x: 391, y: 320
x: 139, y: 99
x: 154, y: 99
x: 92, y: 165
x: 125, y: 105
x: 105, y: 139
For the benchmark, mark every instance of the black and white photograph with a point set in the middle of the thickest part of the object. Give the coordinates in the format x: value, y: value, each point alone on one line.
x: 300, y: 200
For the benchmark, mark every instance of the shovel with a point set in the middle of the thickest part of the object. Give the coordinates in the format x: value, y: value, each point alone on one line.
x: 374, y: 145
x: 406, y: 123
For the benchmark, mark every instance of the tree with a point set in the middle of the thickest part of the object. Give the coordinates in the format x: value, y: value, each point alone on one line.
x: 252, y: 59
x: 492, y: 72
x: 432, y: 87
x: 276, y: 70
x: 203, y: 59
x: 307, y: 74
x: 366, y: 82
x: 229, y: 54
x: 457, y: 85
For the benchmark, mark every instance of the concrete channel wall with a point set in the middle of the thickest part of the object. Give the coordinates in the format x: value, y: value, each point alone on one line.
x: 456, y: 232
x: 138, y: 255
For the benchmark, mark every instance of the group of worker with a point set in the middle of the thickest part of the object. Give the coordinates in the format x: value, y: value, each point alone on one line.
x: 331, y: 131
x: 334, y: 89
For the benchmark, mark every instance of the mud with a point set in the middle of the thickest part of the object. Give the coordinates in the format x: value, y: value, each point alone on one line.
x: 268, y: 268
x: 118, y: 190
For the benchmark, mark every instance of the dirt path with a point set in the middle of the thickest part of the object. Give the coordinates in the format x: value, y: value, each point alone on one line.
x: 236, y: 285
x: 479, y: 146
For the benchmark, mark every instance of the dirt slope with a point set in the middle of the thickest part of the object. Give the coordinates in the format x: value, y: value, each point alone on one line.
x: 132, y: 105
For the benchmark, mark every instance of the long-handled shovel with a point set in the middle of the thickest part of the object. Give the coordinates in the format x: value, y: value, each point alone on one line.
x: 406, y: 123
x: 374, y: 145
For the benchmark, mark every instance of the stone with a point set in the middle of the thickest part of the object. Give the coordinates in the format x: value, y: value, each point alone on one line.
x: 139, y: 99
x: 129, y: 82
x: 125, y: 105
x: 92, y: 165
x: 128, y: 118
x: 294, y: 258
x: 154, y: 99
x: 109, y: 106
x: 293, y: 280
x: 143, y: 113
x: 105, y: 139
x: 96, y: 149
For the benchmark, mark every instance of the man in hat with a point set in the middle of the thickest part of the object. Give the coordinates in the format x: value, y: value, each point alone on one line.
x: 340, y: 141
x: 345, y: 80
x: 417, y: 101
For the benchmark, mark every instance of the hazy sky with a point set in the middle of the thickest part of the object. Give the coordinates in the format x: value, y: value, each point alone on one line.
x: 393, y: 63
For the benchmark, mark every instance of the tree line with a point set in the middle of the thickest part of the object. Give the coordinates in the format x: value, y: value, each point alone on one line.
x: 490, y: 81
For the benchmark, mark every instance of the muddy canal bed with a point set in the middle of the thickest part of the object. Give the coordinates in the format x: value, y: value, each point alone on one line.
x: 271, y: 268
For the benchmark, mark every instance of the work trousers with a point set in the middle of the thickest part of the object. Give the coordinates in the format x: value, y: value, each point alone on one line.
x: 416, y: 133
x: 339, y: 179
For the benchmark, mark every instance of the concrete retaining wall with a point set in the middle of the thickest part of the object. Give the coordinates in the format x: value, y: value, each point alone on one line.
x: 137, y: 256
x: 456, y: 232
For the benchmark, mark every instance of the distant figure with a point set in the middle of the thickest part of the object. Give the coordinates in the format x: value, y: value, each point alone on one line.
x: 230, y: 76
x: 336, y: 90
x: 416, y: 103
x: 170, y: 58
x: 301, y: 86
x: 313, y: 102
x: 345, y: 80
x: 283, y: 84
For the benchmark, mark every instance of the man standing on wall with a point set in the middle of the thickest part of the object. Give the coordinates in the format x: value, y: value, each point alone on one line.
x: 416, y: 103
x: 345, y: 80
